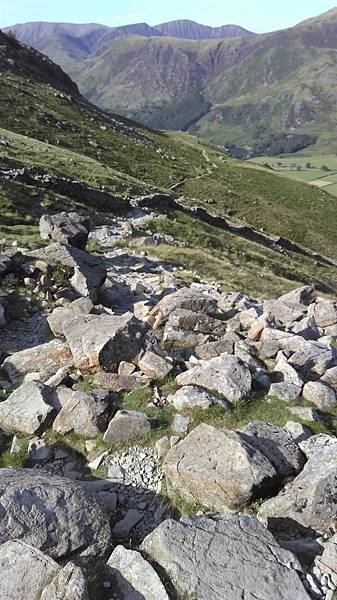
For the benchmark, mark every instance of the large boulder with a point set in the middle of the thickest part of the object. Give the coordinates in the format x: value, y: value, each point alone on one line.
x: 52, y: 514
x: 134, y: 576
x: 28, y: 409
x: 67, y: 228
x: 325, y: 313
x: 278, y: 445
x: 320, y: 394
x: 125, y: 425
x: 103, y: 340
x: 308, y: 504
x: 226, y: 374
x: 86, y: 413
x: 61, y: 315
x: 230, y: 556
x: 285, y: 312
x: 155, y: 366
x: 302, y: 295
x: 218, y: 469
x: 89, y: 270
x: 46, y: 358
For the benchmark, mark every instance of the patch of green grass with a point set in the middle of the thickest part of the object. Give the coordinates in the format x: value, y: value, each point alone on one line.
x: 15, y: 460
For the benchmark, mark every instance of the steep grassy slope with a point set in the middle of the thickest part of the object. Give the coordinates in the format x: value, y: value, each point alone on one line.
x: 238, y: 90
x: 53, y: 141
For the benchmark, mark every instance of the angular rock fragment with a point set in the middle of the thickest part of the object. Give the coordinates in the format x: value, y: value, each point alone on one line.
x: 28, y: 409
x: 126, y: 425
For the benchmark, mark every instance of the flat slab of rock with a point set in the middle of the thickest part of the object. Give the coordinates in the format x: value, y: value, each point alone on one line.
x: 226, y: 374
x: 126, y: 425
x: 86, y: 413
x: 218, y: 469
x: 190, y: 396
x: 184, y: 298
x: 28, y: 409
x: 308, y: 504
x: 134, y: 576
x: 47, y: 358
x: 52, y: 514
x: 103, y: 340
x: 285, y: 391
x: 121, y: 383
x: 123, y: 528
x: 229, y: 556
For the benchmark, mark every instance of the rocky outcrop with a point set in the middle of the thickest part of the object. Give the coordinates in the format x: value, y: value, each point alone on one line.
x: 224, y: 556
x: 66, y: 228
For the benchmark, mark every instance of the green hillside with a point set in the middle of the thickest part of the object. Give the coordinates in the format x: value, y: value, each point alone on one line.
x: 52, y: 141
x: 244, y: 91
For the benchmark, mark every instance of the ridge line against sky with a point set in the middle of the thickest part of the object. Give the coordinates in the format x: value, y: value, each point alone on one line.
x: 255, y: 15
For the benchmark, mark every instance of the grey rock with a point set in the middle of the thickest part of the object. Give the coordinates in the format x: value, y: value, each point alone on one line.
x: 320, y: 394
x: 302, y: 295
x: 155, y: 366
x: 308, y: 503
x: 327, y: 563
x: 59, y: 316
x: 185, y: 329
x: 67, y: 228
x: 104, y: 340
x: 230, y: 556
x: 180, y: 424
x: 278, y: 446
x: 39, y: 450
x: 285, y: 391
x: 226, y: 374
x: 28, y: 409
x: 304, y: 412
x: 287, y: 372
x: 162, y: 447
x: 68, y: 584
x: 53, y: 514
x: 285, y: 312
x: 86, y: 413
x: 130, y: 520
x: 190, y: 396
x: 89, y: 270
x: 47, y: 357
x: 126, y: 425
x: 24, y: 571
x: 134, y: 576
x: 213, y: 349
x: 218, y: 469
x: 325, y: 313
x: 330, y: 378
x: 299, y: 432
x: 185, y: 298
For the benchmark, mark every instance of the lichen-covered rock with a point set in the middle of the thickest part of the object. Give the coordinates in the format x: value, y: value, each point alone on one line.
x: 225, y: 374
x: 134, y: 576
x: 53, y: 514
x: 190, y: 396
x: 218, y: 469
x: 126, y: 425
x: 46, y: 358
x: 229, y: 556
x: 28, y: 409
x: 308, y: 504
x: 60, y: 315
x: 86, y: 413
x: 103, y: 340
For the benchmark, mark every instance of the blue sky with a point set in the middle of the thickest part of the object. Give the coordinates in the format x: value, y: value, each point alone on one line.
x: 257, y: 15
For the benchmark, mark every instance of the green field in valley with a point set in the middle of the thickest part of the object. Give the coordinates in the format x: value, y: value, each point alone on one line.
x: 319, y: 171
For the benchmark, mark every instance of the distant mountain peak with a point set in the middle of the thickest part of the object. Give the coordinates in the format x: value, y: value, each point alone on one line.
x: 187, y: 29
